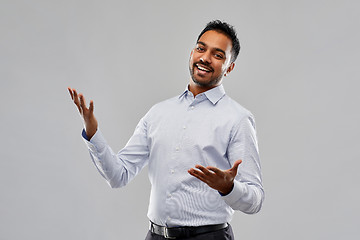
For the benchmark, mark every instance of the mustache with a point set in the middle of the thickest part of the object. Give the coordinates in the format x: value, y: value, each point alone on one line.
x: 204, y: 65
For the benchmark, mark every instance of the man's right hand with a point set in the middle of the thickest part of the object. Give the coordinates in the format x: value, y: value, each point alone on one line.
x: 87, y: 114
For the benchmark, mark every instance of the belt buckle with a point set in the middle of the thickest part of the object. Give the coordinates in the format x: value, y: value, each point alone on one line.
x: 166, y: 234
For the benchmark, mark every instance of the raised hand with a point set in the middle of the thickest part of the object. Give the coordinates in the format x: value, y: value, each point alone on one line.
x: 87, y: 114
x: 220, y: 180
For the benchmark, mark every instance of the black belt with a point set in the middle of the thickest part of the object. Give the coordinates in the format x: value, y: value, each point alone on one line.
x: 177, y: 232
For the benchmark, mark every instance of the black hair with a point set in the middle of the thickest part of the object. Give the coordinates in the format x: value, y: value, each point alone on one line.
x: 226, y: 29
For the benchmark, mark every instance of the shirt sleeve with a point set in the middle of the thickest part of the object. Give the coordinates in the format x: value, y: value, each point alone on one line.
x: 119, y: 169
x: 247, y: 194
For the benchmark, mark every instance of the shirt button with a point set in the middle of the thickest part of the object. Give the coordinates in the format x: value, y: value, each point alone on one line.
x: 177, y: 149
x: 192, y: 107
x: 184, y: 127
x: 169, y: 195
x: 172, y: 171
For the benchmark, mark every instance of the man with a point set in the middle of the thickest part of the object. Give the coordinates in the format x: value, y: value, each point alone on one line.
x: 193, y: 145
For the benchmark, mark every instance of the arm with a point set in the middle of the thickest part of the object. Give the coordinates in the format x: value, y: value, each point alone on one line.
x: 240, y: 186
x: 117, y: 169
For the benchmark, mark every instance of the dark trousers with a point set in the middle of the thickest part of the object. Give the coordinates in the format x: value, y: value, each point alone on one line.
x: 223, y: 234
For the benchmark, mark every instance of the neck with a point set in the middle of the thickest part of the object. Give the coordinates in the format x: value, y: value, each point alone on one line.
x: 195, y: 89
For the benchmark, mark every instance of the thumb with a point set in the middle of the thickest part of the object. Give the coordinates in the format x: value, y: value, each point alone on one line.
x: 236, y: 165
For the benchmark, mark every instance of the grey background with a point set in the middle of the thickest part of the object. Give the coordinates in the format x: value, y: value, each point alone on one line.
x: 298, y: 72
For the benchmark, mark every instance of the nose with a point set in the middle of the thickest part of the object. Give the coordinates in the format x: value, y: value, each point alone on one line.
x: 205, y: 58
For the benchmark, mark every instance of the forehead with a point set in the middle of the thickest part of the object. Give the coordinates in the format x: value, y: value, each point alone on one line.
x: 214, y: 39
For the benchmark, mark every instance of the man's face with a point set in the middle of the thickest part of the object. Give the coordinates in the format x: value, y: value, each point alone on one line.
x: 210, y: 59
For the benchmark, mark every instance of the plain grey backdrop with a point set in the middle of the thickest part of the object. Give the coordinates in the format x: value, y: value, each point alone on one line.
x: 298, y: 72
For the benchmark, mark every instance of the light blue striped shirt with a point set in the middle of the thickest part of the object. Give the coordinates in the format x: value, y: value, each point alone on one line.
x: 175, y: 135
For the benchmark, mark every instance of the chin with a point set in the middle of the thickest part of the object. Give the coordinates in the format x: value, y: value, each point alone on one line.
x: 202, y: 83
x: 201, y: 80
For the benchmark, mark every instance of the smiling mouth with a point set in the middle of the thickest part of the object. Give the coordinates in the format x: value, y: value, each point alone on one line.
x: 203, y: 68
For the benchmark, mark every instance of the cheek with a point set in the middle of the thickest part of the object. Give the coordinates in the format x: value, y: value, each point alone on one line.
x: 224, y: 67
x: 220, y: 67
x: 191, y: 60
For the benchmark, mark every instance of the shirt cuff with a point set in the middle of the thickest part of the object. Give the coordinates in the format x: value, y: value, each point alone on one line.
x: 228, y: 192
x: 96, y: 142
x: 237, y: 192
x: 83, y: 133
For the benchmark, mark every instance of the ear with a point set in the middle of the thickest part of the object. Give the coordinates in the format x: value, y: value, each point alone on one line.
x: 230, y: 68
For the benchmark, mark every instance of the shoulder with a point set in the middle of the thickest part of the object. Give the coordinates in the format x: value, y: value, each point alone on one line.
x: 165, y: 104
x: 235, y: 109
x: 162, y: 106
x: 243, y: 120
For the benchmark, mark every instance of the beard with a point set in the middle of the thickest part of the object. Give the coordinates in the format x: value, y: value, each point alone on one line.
x: 213, y: 81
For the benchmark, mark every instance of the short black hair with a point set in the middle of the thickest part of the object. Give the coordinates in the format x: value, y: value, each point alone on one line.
x: 226, y: 29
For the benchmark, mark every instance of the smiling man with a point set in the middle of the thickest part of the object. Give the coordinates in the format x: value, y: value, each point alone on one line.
x: 200, y: 146
x: 210, y: 60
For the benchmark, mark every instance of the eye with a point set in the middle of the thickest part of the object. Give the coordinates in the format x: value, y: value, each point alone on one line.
x: 200, y: 49
x: 219, y: 56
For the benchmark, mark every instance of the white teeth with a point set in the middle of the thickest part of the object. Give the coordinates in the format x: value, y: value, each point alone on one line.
x: 203, y: 69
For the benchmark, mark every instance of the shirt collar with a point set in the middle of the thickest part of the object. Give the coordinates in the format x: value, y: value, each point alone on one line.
x: 214, y: 94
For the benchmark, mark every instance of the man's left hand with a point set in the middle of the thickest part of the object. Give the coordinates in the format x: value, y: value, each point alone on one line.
x: 221, y: 180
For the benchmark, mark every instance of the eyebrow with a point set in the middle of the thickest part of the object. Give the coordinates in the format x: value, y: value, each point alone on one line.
x: 217, y: 49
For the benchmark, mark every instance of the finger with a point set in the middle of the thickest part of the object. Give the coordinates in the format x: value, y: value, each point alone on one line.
x: 71, y: 93
x: 82, y: 101
x: 74, y: 91
x: 196, y: 172
x: 199, y: 175
x: 91, y: 108
x: 204, y: 170
x: 216, y: 170
x: 76, y: 100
